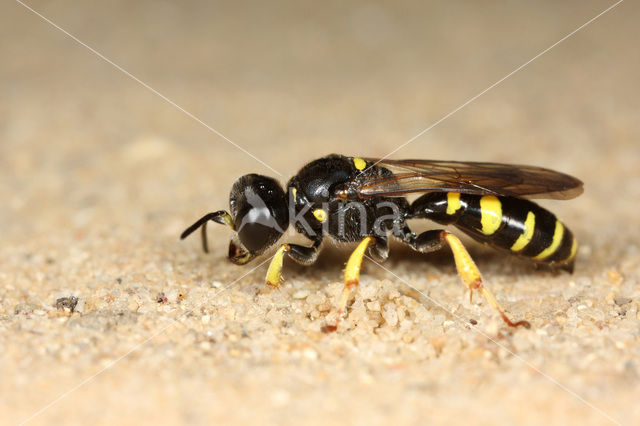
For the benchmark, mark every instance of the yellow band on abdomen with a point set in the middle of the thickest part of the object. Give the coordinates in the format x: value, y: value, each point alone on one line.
x: 453, y: 202
x: 491, y: 214
x: 527, y: 233
x: 558, y: 233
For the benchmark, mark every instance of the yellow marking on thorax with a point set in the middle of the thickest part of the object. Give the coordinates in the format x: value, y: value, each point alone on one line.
x: 527, y: 233
x: 555, y: 242
x: 359, y: 163
x: 491, y: 214
x: 320, y: 214
x: 453, y: 202
x: 294, y: 191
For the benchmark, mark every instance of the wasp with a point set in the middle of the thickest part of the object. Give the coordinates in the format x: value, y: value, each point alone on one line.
x: 364, y: 201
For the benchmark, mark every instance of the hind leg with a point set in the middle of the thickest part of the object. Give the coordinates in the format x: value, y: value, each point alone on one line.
x: 436, y: 239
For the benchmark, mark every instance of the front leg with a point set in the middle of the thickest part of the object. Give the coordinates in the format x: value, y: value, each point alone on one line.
x: 301, y: 254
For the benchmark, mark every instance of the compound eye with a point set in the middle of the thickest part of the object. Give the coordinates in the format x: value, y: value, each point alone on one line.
x: 256, y: 236
x: 259, y: 207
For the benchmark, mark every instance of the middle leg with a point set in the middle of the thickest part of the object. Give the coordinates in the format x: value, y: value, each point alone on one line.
x: 376, y: 247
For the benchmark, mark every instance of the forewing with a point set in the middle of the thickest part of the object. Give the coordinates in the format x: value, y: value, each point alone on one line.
x: 419, y: 176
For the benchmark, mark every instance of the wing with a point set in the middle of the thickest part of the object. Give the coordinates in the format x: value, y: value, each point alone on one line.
x: 411, y: 176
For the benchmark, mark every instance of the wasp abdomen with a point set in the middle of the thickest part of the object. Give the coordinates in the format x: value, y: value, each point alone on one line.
x: 514, y: 224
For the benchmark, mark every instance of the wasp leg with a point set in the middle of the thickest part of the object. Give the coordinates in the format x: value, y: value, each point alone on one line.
x: 378, y: 247
x: 301, y: 254
x: 467, y: 269
x: 426, y: 242
x: 221, y: 217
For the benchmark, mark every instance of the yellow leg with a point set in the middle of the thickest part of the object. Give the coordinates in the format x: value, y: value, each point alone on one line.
x: 471, y: 277
x: 352, y: 272
x: 274, y: 273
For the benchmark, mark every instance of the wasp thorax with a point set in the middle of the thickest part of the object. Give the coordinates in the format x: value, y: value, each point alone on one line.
x: 259, y: 209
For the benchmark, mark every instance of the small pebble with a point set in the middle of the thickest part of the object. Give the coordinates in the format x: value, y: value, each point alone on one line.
x: 390, y: 314
x: 310, y: 354
x: 67, y: 304
x: 301, y: 294
x: 410, y: 336
x: 316, y: 299
x: 324, y: 307
x: 621, y: 300
x: 373, y: 306
x: 26, y: 308
x: 393, y: 294
x: 228, y: 313
x: 614, y: 276
x: 161, y: 298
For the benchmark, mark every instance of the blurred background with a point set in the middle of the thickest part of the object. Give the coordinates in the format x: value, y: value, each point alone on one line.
x: 292, y: 81
x: 94, y: 165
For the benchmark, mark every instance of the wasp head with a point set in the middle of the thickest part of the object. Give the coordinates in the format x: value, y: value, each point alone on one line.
x: 260, y: 214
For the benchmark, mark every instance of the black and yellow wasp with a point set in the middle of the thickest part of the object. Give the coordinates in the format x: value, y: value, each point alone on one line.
x: 353, y: 199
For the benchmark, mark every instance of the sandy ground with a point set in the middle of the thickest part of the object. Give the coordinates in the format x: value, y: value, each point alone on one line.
x: 99, y: 176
